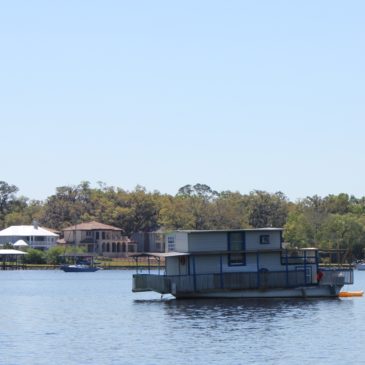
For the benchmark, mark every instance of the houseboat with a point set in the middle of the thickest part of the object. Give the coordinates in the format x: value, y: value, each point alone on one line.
x: 244, y: 263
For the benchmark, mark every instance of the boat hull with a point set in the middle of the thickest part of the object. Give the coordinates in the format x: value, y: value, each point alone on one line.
x: 318, y: 291
x: 78, y: 269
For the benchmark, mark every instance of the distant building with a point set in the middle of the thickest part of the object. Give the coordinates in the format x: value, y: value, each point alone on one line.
x: 34, y: 236
x: 99, y: 238
x: 150, y: 241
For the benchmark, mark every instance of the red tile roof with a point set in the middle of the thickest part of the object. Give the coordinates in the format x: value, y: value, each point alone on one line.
x: 92, y: 226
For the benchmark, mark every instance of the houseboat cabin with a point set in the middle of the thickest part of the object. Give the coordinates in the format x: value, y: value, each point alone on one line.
x: 247, y: 263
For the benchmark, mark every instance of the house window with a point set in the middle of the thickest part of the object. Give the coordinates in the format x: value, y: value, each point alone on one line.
x: 264, y: 239
x: 171, y: 243
x: 89, y: 234
x: 103, y: 235
x: 97, y: 235
x: 236, y: 242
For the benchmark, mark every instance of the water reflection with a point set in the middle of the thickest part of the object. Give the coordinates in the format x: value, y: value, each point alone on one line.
x: 244, y: 308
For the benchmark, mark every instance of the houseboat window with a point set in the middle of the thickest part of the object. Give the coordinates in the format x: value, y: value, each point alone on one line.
x: 171, y: 243
x: 236, y: 242
x: 298, y: 257
x: 264, y: 239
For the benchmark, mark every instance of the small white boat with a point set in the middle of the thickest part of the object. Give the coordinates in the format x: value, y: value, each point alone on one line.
x: 360, y: 266
x: 79, y: 268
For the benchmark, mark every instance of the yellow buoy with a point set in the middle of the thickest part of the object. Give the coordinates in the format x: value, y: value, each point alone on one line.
x: 358, y: 293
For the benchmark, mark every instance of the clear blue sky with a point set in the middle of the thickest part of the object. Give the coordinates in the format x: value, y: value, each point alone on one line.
x: 239, y: 95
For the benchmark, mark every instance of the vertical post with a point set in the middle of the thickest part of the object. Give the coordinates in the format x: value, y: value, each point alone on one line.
x: 317, y: 265
x: 258, y: 268
x: 194, y: 272
x: 221, y: 271
x: 287, y: 267
x: 305, y: 267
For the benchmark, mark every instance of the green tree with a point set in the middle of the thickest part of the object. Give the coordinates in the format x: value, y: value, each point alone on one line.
x: 298, y: 231
x: 337, y: 204
x: 34, y: 257
x: 7, y: 199
x: 267, y: 210
x: 342, y: 232
x: 198, y: 201
x: 67, y: 206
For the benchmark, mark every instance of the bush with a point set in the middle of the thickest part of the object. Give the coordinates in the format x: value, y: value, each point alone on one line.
x: 35, y: 257
x: 53, y: 255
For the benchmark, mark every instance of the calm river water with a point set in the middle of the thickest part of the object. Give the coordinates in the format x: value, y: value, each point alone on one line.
x: 52, y: 317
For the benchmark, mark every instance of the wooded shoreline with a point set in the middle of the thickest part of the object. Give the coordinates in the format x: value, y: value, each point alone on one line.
x: 330, y: 222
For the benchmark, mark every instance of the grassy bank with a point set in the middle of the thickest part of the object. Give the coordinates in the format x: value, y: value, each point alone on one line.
x: 104, y: 263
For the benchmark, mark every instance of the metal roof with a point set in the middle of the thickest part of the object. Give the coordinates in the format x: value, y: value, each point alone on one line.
x: 161, y: 254
x: 26, y: 231
x: 90, y: 226
x: 265, y: 229
x: 11, y: 252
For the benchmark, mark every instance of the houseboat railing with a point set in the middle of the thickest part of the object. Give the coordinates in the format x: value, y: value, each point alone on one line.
x: 337, y: 276
x: 237, y: 281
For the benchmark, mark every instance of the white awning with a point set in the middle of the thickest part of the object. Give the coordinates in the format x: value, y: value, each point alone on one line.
x: 20, y: 243
x: 11, y: 252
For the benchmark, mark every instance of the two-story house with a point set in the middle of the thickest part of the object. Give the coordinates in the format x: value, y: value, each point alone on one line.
x: 33, y: 235
x: 100, y: 239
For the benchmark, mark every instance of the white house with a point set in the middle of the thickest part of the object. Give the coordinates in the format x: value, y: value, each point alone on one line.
x: 34, y: 236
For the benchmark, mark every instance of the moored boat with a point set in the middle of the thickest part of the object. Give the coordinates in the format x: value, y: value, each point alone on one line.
x: 78, y: 268
x: 80, y: 262
x: 360, y: 266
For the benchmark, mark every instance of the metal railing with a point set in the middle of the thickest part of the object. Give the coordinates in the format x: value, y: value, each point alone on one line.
x: 237, y: 281
x: 337, y: 276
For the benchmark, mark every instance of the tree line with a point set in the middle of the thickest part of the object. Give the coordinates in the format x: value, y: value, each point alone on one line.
x: 334, y: 221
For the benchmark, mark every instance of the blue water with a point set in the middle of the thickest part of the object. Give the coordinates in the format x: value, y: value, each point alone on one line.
x: 52, y: 317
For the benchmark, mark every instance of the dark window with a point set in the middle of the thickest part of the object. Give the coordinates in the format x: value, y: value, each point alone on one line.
x: 103, y: 235
x: 265, y: 239
x: 97, y: 235
x: 236, y: 242
x: 298, y: 257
